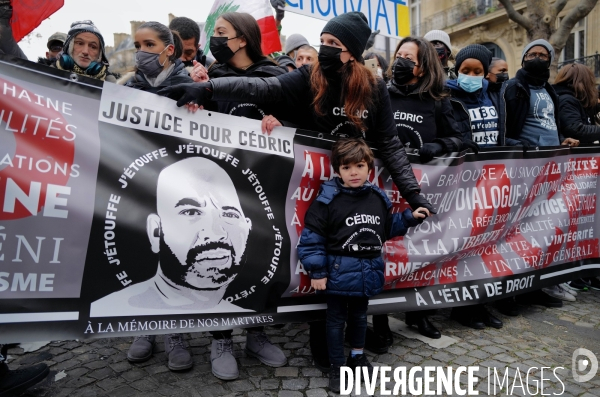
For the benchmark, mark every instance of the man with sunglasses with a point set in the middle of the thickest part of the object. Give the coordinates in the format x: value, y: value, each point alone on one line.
x: 55, y: 46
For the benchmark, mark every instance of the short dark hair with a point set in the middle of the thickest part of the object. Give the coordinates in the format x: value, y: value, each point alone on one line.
x: 351, y: 150
x: 187, y: 28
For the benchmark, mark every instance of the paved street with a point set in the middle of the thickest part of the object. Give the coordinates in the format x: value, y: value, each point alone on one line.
x: 539, y: 337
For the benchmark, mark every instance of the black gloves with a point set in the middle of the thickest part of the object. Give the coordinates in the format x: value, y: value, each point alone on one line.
x: 416, y: 200
x: 279, y: 14
x: 430, y: 150
x: 469, y: 144
x: 371, y: 39
x: 197, y: 93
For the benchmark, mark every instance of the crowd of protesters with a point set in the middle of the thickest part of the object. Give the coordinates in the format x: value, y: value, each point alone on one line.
x: 470, y: 105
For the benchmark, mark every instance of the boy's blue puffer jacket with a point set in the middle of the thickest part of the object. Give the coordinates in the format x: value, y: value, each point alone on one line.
x: 347, y: 275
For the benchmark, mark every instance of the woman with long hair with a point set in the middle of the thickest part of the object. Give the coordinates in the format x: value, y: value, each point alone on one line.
x: 424, y: 121
x: 577, y: 103
x: 236, y: 46
x: 338, y: 95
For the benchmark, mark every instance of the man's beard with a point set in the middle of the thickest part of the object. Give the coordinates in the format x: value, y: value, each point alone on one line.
x: 177, y: 273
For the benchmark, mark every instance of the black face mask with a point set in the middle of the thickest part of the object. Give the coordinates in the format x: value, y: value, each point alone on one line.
x: 441, y: 53
x: 501, y: 77
x: 220, y: 50
x: 329, y: 59
x: 537, y: 66
x: 402, y: 71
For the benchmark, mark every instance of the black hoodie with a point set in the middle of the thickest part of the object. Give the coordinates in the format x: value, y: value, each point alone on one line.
x: 576, y: 122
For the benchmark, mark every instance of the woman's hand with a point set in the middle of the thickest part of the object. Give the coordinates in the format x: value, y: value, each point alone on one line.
x: 268, y: 123
x: 319, y: 284
x: 570, y: 142
x: 199, y: 73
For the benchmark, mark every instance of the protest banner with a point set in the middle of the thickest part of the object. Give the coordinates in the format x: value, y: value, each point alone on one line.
x: 391, y: 17
x: 121, y: 214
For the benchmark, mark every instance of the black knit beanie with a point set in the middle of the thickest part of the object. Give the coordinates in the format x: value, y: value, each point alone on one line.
x: 352, y: 29
x: 475, y: 51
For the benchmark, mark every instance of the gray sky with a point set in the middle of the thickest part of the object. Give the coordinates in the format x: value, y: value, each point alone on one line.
x: 113, y: 16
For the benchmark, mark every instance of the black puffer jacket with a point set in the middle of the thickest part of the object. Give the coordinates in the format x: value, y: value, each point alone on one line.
x: 417, y: 119
x: 178, y: 76
x: 575, y: 121
x: 292, y: 93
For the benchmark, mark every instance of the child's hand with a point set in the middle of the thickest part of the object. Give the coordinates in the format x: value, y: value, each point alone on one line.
x: 421, y: 213
x: 319, y: 284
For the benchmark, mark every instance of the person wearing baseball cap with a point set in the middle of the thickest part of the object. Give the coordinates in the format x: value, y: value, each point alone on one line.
x: 83, y: 52
x: 441, y: 43
x: 55, y: 46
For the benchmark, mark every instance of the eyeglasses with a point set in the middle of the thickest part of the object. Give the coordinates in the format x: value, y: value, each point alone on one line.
x: 56, y: 48
x: 532, y: 55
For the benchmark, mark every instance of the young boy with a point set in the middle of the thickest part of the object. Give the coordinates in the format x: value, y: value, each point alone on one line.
x: 340, y: 247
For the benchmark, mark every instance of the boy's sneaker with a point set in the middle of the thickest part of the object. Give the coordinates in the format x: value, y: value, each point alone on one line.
x: 334, y: 378
x: 568, y: 288
x: 579, y: 285
x: 594, y: 283
x: 359, y: 361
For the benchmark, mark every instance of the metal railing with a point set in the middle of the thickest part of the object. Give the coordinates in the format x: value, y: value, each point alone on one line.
x: 591, y: 61
x: 461, y: 12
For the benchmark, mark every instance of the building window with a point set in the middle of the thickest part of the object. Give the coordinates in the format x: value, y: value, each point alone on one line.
x: 496, y: 51
x: 415, y: 17
x: 575, y: 47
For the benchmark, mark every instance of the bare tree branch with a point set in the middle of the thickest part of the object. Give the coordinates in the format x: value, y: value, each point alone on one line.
x: 515, y: 16
x: 559, y: 5
x: 577, y: 13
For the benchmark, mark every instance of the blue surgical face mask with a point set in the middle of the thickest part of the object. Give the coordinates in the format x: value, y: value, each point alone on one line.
x: 470, y: 83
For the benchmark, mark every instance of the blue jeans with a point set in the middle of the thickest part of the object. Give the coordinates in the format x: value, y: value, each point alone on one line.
x: 339, y: 310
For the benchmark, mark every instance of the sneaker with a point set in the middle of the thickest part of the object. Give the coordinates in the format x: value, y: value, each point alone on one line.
x: 579, y: 285
x: 258, y: 345
x: 13, y: 383
x: 557, y: 291
x: 141, y: 348
x: 358, y: 362
x: 334, y: 378
x: 594, y: 283
x: 179, y: 356
x: 568, y: 288
x: 222, y: 361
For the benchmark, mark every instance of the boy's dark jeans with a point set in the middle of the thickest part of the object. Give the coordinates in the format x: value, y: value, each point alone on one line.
x: 339, y: 310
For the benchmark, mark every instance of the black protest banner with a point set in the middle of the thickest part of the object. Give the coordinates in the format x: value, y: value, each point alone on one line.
x: 132, y: 216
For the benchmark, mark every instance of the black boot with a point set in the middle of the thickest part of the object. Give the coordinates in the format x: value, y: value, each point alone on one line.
x: 381, y: 327
x: 488, y: 318
x: 507, y: 306
x: 318, y: 345
x: 13, y: 383
x: 467, y: 316
x: 334, y: 378
x: 422, y: 322
x: 375, y: 343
